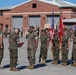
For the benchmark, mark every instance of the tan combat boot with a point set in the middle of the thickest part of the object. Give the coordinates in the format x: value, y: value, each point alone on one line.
x: 55, y: 62
x: 43, y: 61
x: 30, y: 67
x: 74, y: 64
x: 65, y: 64
x: 1, y: 68
x: 11, y: 68
x: 14, y: 69
x: 62, y: 63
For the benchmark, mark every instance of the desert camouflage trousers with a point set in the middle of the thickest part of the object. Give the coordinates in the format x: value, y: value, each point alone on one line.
x: 43, y: 52
x: 55, y: 53
x: 65, y: 54
x: 74, y: 54
x: 1, y: 55
x: 31, y: 55
x: 13, y: 58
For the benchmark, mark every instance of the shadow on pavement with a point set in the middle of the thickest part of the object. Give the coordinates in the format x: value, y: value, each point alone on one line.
x: 6, y: 66
x: 22, y: 67
x: 70, y: 62
x: 51, y: 60
x: 40, y: 65
x: 48, y: 61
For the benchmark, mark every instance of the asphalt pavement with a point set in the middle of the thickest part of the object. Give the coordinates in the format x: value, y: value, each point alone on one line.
x: 40, y: 69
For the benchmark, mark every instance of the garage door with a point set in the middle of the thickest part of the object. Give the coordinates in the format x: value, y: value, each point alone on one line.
x: 34, y: 21
x: 17, y: 22
x: 49, y: 19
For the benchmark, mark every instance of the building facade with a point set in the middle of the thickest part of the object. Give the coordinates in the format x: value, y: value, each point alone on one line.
x: 36, y: 13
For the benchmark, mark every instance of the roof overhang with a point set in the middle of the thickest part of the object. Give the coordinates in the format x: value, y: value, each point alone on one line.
x: 6, y: 8
x: 70, y: 20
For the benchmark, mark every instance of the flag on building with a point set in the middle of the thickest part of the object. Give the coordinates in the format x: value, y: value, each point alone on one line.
x: 61, y: 28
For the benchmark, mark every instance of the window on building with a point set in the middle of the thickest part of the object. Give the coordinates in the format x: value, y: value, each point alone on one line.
x: 34, y: 5
x: 1, y: 13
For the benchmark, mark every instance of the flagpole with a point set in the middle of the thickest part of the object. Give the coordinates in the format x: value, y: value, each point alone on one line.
x: 60, y: 32
x: 52, y: 30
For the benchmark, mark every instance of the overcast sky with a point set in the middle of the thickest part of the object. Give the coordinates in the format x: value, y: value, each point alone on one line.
x: 7, y: 3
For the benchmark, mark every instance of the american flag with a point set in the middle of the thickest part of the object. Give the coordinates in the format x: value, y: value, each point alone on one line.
x: 52, y: 27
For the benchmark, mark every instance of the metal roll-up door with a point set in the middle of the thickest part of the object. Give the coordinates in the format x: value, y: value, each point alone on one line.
x: 49, y: 19
x: 17, y: 22
x: 34, y: 21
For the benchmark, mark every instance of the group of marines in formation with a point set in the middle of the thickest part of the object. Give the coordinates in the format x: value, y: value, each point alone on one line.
x: 32, y: 44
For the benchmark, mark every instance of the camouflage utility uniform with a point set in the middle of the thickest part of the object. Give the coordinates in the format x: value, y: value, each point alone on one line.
x: 1, y: 49
x: 48, y: 40
x: 48, y: 34
x: 44, y: 46
x: 6, y: 32
x: 55, y: 49
x: 31, y: 46
x: 13, y: 38
x: 65, y: 50
x: 74, y: 49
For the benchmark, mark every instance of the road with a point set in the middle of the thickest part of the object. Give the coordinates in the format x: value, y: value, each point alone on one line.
x: 40, y: 69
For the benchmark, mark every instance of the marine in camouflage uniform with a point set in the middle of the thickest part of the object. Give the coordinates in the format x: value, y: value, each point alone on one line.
x: 70, y: 32
x: 48, y: 37
x: 71, y: 35
x: 32, y: 43
x: 65, y: 47
x: 6, y: 32
x: 44, y: 45
x: 1, y: 45
x: 13, y: 44
x: 74, y: 48
x: 55, y: 48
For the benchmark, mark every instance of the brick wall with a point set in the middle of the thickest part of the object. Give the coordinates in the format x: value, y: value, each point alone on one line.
x: 26, y: 10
